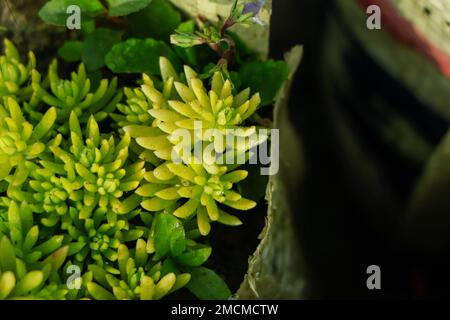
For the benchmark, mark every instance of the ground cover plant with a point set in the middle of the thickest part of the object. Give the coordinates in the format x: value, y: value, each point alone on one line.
x: 92, y: 202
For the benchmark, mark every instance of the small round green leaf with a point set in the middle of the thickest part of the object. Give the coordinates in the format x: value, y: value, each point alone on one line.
x: 96, y: 47
x: 71, y: 51
x: 55, y: 11
x: 205, y: 284
x: 137, y: 56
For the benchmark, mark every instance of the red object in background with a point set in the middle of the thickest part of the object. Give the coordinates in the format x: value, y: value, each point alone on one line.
x: 406, y: 33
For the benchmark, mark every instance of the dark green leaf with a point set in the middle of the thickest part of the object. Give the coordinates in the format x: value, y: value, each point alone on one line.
x: 88, y: 26
x: 168, y: 267
x: 95, y: 76
x: 7, y: 255
x: 97, y: 46
x: 136, y: 56
x: 236, y: 79
x: 55, y: 11
x: 194, y: 258
x: 205, y: 284
x: 125, y: 7
x: 169, y: 235
x: 265, y: 77
x: 177, y: 242
x: 71, y: 51
x: 159, y: 20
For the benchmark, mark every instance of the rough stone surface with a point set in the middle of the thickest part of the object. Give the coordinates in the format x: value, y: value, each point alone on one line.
x: 28, y: 31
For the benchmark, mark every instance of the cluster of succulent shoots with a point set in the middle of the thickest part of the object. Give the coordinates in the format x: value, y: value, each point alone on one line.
x: 114, y: 206
x: 192, y: 187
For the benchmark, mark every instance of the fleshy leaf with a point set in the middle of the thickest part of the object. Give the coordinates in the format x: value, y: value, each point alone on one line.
x: 7, y: 255
x: 205, y: 284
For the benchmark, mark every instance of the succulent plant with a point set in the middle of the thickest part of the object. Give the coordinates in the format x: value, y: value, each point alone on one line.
x: 113, y: 204
x: 154, y: 118
x: 180, y: 105
x: 47, y: 191
x: 24, y: 234
x: 194, y: 191
x: 94, y: 239
x: 100, y: 168
x: 20, y: 142
x: 4, y: 204
x: 18, y: 281
x: 77, y: 95
x: 135, y: 110
x: 91, y: 175
x: 13, y: 282
x: 50, y: 193
x: 137, y: 277
x: 217, y: 109
x: 26, y: 260
x: 15, y: 77
x: 192, y: 187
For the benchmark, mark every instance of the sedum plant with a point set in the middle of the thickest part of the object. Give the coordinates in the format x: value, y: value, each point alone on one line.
x: 192, y: 188
x: 27, y: 260
x: 109, y: 198
x: 217, y: 108
x: 15, y: 281
x: 138, y: 277
x: 15, y: 77
x: 20, y: 141
x: 95, y: 239
x: 77, y: 95
x: 179, y: 105
x: 82, y: 195
x: 89, y: 174
x: 25, y: 235
x: 101, y: 168
x: 193, y: 191
x: 135, y: 110
x: 25, y: 85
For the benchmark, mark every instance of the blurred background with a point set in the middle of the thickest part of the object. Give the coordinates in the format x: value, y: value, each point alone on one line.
x: 371, y: 112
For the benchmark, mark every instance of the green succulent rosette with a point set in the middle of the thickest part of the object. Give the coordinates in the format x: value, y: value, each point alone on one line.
x: 102, y: 168
x: 194, y: 189
x: 27, y: 260
x: 138, y: 277
x: 195, y: 192
x: 20, y: 141
x: 77, y: 95
x: 15, y: 77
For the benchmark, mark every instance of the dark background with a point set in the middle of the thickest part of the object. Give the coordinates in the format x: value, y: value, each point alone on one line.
x: 331, y: 227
